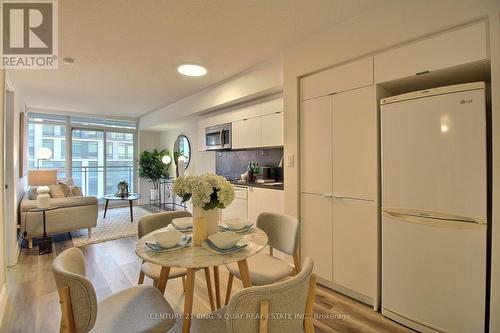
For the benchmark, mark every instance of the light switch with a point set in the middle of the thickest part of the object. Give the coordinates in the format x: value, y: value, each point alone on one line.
x: 290, y: 160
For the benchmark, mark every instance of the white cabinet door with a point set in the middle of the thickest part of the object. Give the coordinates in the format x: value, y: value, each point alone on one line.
x: 354, y: 74
x: 216, y: 118
x: 273, y: 133
x: 264, y: 200
x: 271, y: 104
x: 355, y: 142
x: 246, y: 133
x: 315, y: 145
x: 201, y: 139
x: 246, y: 111
x: 316, y: 233
x: 460, y: 46
x: 239, y: 206
x: 355, y: 249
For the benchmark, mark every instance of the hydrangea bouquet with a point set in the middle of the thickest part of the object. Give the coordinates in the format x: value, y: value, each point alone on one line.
x: 208, y: 191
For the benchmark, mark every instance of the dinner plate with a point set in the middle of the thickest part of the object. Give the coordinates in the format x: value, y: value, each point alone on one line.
x: 223, y: 227
x: 238, y: 247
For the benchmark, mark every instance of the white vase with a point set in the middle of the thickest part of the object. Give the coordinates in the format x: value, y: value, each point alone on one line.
x: 153, y: 194
x: 212, y: 216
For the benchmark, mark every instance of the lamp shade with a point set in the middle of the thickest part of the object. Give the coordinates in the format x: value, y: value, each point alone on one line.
x: 42, y: 177
x: 166, y: 159
x: 43, y: 153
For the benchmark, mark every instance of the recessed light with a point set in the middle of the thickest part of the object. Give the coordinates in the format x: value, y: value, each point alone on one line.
x: 192, y: 70
x: 68, y: 60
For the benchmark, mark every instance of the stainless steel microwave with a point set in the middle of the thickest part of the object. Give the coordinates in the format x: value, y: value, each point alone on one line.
x: 218, y: 137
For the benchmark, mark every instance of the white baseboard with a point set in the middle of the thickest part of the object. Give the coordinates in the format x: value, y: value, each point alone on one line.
x: 3, y: 302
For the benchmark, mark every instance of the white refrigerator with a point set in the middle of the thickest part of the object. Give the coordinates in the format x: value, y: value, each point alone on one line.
x: 434, y: 208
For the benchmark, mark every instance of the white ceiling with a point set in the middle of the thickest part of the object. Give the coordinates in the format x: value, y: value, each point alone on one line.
x: 127, y: 51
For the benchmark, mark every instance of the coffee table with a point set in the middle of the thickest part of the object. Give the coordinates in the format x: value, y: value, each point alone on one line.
x: 130, y: 198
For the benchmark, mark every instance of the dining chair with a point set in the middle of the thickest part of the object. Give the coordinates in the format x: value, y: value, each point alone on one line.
x: 282, y: 233
x: 153, y: 222
x: 285, y: 306
x: 136, y: 309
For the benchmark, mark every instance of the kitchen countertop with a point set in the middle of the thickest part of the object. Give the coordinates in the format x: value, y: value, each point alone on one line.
x: 271, y: 187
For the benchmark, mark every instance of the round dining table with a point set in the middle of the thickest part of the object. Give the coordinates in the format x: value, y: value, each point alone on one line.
x: 197, y: 257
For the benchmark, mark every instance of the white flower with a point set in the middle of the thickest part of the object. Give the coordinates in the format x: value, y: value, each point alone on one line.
x: 208, y: 191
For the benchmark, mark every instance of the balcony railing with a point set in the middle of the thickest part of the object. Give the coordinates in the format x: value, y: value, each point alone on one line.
x: 94, y: 181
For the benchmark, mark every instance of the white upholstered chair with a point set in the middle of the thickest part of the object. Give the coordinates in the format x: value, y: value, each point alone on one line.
x: 282, y: 233
x: 157, y: 221
x: 248, y: 309
x: 129, y: 310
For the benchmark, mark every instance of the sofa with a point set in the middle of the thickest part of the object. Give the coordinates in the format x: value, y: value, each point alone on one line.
x: 74, y: 212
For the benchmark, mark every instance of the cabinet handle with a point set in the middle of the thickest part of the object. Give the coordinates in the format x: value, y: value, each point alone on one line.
x: 424, y: 72
x: 328, y: 195
x: 351, y: 198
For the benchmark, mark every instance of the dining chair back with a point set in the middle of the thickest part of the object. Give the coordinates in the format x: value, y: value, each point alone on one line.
x: 157, y: 221
x: 282, y: 231
x: 76, y: 293
x: 290, y: 302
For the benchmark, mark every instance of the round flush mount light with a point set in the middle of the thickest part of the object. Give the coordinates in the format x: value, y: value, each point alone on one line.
x: 68, y: 60
x: 192, y: 70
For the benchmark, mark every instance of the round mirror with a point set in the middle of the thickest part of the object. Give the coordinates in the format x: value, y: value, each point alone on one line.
x: 182, y: 147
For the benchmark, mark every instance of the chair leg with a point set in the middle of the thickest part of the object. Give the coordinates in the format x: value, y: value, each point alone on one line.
x: 155, y: 283
x: 209, y: 288
x: 296, y: 261
x: 90, y: 232
x: 264, y: 316
x: 229, y: 287
x: 141, y: 277
x: 183, y: 283
x: 309, y: 317
x: 30, y: 243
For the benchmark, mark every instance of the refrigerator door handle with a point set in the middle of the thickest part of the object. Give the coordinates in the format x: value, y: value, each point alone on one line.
x: 337, y: 196
x: 434, y: 221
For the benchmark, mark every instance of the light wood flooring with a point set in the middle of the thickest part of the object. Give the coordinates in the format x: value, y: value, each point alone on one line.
x: 111, y: 266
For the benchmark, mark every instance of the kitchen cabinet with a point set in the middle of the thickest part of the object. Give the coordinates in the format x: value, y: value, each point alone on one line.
x: 355, y: 144
x: 344, y: 77
x: 201, y: 139
x: 315, y: 146
x: 271, y: 104
x: 239, y: 206
x: 247, y: 133
x: 264, y: 200
x: 355, y: 244
x: 317, y: 232
x: 216, y: 118
x: 272, y: 129
x: 246, y: 111
x: 459, y: 46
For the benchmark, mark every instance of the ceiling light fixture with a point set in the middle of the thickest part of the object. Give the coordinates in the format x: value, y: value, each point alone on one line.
x: 68, y: 60
x: 192, y: 70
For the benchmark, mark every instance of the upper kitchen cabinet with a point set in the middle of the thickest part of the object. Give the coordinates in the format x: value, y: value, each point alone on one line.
x: 272, y: 128
x: 315, y: 146
x: 355, y: 74
x: 355, y: 142
x: 216, y: 118
x: 460, y: 46
x: 271, y: 104
x: 246, y: 111
x: 247, y: 133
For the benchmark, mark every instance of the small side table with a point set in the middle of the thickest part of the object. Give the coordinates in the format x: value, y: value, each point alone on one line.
x: 44, y: 243
x: 131, y: 197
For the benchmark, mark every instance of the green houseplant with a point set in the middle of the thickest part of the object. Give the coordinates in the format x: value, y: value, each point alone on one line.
x: 153, y: 169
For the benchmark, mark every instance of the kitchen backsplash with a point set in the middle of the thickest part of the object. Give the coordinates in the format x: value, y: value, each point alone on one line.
x: 231, y: 164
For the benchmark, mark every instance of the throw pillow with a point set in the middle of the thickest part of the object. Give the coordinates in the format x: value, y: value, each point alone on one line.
x: 75, y: 191
x: 68, y: 181
x: 59, y: 190
x: 32, y: 193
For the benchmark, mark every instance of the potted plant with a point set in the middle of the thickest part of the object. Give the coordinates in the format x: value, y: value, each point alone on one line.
x: 122, y: 189
x: 153, y: 169
x: 209, y: 193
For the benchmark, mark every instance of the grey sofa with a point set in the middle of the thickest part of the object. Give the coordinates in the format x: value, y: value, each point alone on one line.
x: 74, y: 213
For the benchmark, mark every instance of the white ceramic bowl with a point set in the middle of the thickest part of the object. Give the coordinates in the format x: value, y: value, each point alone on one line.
x: 183, y: 222
x: 168, y: 238
x: 225, y: 240
x: 236, y: 223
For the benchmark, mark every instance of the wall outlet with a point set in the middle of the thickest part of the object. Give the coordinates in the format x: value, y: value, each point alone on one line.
x: 290, y: 160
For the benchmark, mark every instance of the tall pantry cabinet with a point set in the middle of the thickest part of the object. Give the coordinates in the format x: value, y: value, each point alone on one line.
x: 339, y: 179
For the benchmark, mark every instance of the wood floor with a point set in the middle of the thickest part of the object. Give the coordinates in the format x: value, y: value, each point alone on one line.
x: 111, y: 266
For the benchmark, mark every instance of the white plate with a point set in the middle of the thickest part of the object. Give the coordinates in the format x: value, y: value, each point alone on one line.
x: 178, y: 246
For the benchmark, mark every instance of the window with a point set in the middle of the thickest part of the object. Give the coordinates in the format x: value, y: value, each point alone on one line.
x: 92, y: 149
x: 48, y: 143
x: 77, y: 149
x: 109, y: 150
x: 62, y: 152
x: 48, y: 130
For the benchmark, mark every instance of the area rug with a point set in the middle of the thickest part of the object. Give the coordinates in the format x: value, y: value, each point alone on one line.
x: 116, y: 225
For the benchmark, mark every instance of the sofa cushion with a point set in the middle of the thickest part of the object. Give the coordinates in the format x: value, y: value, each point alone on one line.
x: 59, y: 190
x: 68, y: 181
x: 32, y: 193
x: 61, y: 202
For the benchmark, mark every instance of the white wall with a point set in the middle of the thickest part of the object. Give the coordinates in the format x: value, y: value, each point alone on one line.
x: 201, y: 161
x: 263, y: 79
x: 16, y: 183
x: 383, y: 27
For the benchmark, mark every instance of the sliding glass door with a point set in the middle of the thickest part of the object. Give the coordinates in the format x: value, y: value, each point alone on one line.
x: 119, y: 160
